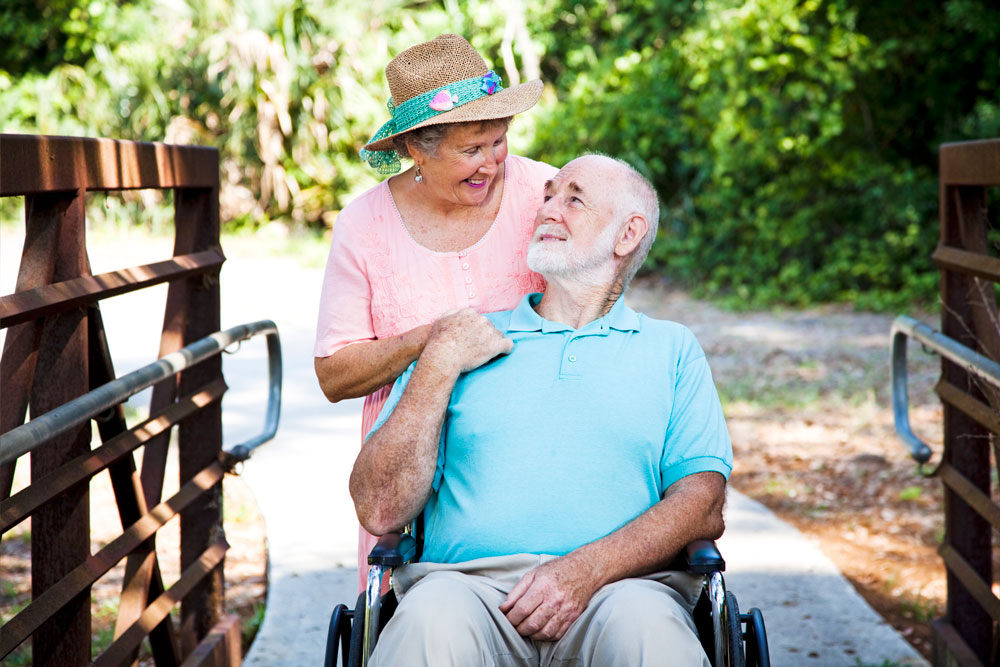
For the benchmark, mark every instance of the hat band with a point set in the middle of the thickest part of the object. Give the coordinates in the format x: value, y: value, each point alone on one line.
x: 424, y: 107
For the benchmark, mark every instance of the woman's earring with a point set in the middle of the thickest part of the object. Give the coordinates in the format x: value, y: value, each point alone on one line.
x: 419, y: 177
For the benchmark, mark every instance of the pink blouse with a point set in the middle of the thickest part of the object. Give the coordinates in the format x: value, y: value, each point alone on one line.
x: 380, y: 282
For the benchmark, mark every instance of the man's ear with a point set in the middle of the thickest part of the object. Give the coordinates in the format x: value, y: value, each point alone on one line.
x: 633, y: 231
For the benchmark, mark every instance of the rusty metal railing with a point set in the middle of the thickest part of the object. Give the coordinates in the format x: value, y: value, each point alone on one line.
x: 977, y: 365
x: 56, y: 351
x: 93, y: 404
x: 969, y: 388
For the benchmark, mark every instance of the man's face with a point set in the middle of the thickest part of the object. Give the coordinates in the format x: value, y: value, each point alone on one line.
x: 575, y: 230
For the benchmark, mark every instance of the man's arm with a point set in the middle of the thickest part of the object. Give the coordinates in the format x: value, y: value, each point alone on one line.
x: 392, y: 475
x: 550, y: 597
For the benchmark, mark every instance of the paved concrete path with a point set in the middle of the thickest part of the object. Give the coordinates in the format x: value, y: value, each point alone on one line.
x: 814, y: 617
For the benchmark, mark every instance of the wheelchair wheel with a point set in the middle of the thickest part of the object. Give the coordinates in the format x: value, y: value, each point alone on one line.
x: 357, y: 634
x: 735, y: 656
x: 338, y: 635
x: 757, y: 653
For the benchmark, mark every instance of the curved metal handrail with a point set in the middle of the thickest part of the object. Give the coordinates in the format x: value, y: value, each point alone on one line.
x: 904, y: 327
x: 40, y: 430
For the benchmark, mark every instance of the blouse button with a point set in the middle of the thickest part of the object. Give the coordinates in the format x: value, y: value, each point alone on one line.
x: 572, y: 357
x: 468, y: 281
x: 465, y: 266
x: 472, y: 295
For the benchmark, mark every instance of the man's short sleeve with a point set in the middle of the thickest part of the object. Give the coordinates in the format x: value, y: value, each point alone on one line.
x: 697, y: 439
x: 390, y: 403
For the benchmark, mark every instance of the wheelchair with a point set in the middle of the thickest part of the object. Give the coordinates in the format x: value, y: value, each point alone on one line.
x: 730, y: 639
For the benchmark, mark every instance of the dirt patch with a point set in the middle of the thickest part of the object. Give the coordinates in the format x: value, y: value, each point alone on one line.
x: 808, y: 402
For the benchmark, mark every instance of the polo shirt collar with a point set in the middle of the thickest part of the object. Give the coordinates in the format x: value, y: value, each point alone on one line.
x: 524, y: 318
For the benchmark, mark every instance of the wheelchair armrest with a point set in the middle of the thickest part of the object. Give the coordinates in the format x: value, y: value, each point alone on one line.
x: 393, y: 550
x: 702, y: 557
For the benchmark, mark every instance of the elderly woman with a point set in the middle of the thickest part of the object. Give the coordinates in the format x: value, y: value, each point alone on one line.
x: 450, y: 232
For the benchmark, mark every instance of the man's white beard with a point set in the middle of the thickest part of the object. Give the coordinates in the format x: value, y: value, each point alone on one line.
x: 561, y: 259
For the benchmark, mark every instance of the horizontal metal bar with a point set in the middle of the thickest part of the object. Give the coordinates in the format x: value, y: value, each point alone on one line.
x: 970, y: 163
x: 220, y: 647
x: 31, y: 164
x: 19, y: 628
x: 971, y: 580
x: 30, y: 304
x: 968, y: 492
x: 120, y: 651
x: 26, y: 437
x: 24, y: 502
x: 904, y: 327
x: 969, y: 263
x: 952, y: 647
x: 985, y: 415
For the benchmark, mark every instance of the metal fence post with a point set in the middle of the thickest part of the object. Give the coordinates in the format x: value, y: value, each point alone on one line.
x: 200, y: 436
x: 967, y: 633
x: 60, y: 530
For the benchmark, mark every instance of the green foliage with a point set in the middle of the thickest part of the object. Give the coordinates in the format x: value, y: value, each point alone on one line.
x: 288, y: 90
x: 793, y: 142
x: 37, y: 35
x: 249, y: 627
x: 748, y: 118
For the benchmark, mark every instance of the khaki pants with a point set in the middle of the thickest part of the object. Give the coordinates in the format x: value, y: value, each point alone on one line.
x: 449, y: 615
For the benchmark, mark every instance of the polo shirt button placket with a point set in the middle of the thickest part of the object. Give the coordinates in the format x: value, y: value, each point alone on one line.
x: 569, y: 368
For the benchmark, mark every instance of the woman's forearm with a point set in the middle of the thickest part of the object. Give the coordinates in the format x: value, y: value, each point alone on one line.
x: 361, y: 368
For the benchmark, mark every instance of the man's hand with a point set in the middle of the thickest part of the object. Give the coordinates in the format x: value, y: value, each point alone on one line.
x: 461, y: 340
x: 549, y: 598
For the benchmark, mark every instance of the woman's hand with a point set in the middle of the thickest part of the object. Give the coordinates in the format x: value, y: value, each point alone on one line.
x: 461, y: 340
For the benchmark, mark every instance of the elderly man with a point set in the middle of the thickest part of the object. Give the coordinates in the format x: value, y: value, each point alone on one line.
x: 562, y: 454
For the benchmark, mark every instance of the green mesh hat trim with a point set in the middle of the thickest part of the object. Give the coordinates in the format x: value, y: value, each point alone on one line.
x: 417, y: 109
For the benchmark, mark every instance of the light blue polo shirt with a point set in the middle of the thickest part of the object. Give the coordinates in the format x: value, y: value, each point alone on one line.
x: 569, y: 437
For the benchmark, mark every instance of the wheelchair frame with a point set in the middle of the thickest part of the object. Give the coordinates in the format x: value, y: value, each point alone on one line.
x: 730, y: 639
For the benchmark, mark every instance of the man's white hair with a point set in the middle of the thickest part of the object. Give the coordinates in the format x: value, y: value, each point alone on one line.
x: 637, y: 195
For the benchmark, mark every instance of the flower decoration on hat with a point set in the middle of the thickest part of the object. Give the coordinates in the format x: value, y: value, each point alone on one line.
x: 443, y: 101
x: 490, y: 83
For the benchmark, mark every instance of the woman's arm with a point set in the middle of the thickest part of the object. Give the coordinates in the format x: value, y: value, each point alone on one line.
x: 361, y: 368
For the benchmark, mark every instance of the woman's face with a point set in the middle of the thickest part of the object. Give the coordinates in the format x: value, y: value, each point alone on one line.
x: 467, y: 164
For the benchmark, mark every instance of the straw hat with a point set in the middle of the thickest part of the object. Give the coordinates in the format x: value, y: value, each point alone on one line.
x: 448, y: 60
